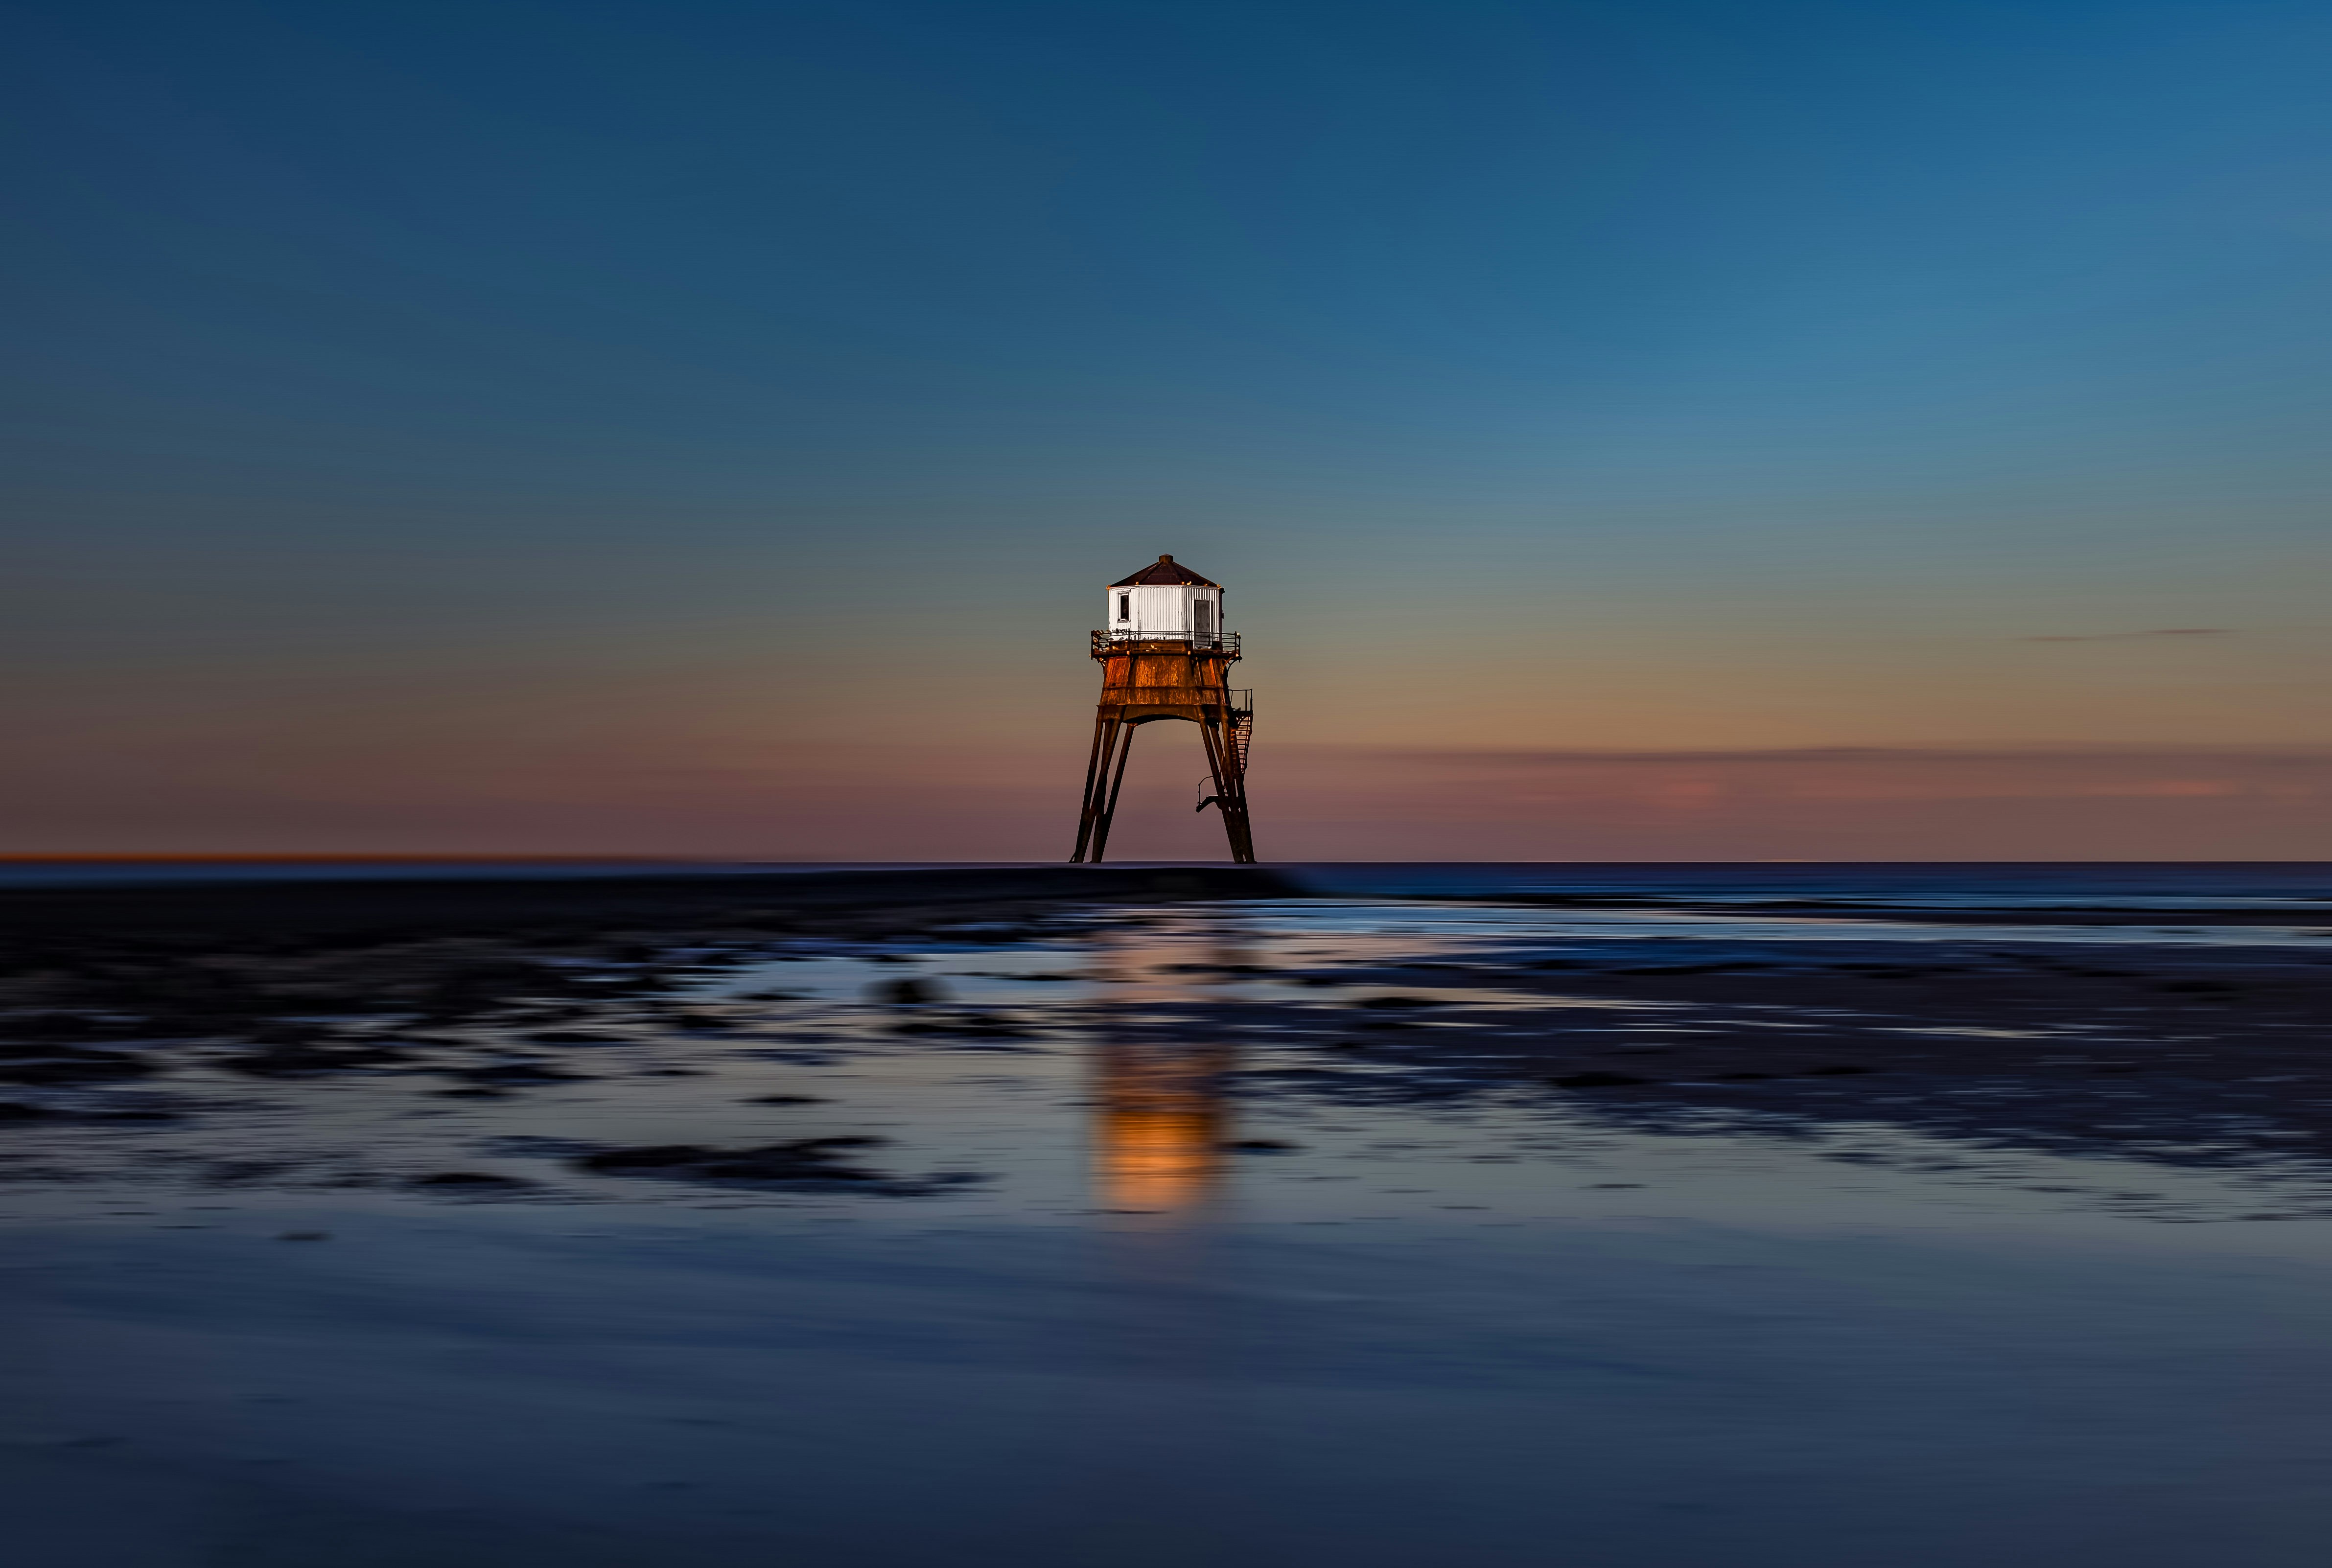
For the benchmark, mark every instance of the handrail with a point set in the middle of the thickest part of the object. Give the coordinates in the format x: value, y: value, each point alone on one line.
x: 1223, y: 644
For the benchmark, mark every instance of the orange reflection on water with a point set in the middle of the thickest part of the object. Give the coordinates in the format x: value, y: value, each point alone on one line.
x: 1159, y: 1124
x: 1161, y: 1113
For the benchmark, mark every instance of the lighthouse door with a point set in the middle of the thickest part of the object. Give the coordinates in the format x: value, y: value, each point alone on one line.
x: 1202, y: 622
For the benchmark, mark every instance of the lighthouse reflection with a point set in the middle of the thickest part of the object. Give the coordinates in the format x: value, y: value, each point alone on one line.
x: 1162, y: 1109
x: 1160, y: 1122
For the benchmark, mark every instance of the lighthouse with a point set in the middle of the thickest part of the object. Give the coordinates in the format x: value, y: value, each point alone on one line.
x: 1164, y: 654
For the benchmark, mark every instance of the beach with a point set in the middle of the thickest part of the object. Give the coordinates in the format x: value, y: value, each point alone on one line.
x: 1633, y: 1215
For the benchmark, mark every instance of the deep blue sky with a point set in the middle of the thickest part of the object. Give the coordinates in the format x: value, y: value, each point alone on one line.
x: 1637, y: 375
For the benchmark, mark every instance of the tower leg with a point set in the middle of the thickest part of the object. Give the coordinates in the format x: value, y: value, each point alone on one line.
x: 1243, y: 834
x: 1230, y: 787
x: 1220, y: 775
x: 1096, y: 772
x: 1109, y: 811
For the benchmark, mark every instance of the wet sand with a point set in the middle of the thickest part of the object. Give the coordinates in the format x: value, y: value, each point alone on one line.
x: 1133, y: 1215
x: 2184, y: 1052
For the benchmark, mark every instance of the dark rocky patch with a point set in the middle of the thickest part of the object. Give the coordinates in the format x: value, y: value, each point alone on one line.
x: 806, y: 1163
x: 307, y: 1059
x: 968, y: 1025
x: 229, y: 1172
x: 505, y: 1074
x: 44, y: 1064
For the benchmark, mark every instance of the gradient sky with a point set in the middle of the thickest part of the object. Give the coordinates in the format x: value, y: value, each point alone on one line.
x: 1624, y: 430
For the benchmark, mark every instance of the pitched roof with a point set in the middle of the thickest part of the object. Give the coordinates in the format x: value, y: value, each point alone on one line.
x: 1166, y: 573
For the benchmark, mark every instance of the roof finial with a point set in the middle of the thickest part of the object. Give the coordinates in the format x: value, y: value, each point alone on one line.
x: 1165, y: 558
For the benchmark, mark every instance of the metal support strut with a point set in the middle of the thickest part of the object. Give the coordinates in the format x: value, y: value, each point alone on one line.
x: 1142, y: 685
x: 1109, y: 811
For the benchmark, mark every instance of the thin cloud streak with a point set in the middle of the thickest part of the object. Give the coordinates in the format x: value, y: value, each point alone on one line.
x: 2131, y: 636
x: 1793, y: 756
x: 1975, y: 803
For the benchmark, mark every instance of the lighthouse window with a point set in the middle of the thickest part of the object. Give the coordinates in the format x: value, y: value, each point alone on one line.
x: 1125, y: 607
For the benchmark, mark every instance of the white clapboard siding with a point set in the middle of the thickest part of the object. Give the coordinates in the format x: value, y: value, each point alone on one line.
x: 1162, y: 611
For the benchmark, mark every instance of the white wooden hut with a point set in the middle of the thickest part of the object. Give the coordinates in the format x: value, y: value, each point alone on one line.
x: 1168, y: 600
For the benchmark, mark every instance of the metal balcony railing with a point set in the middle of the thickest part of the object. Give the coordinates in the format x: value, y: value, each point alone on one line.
x: 1226, y: 644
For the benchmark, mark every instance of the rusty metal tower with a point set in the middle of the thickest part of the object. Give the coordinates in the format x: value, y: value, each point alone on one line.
x: 1164, y: 654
